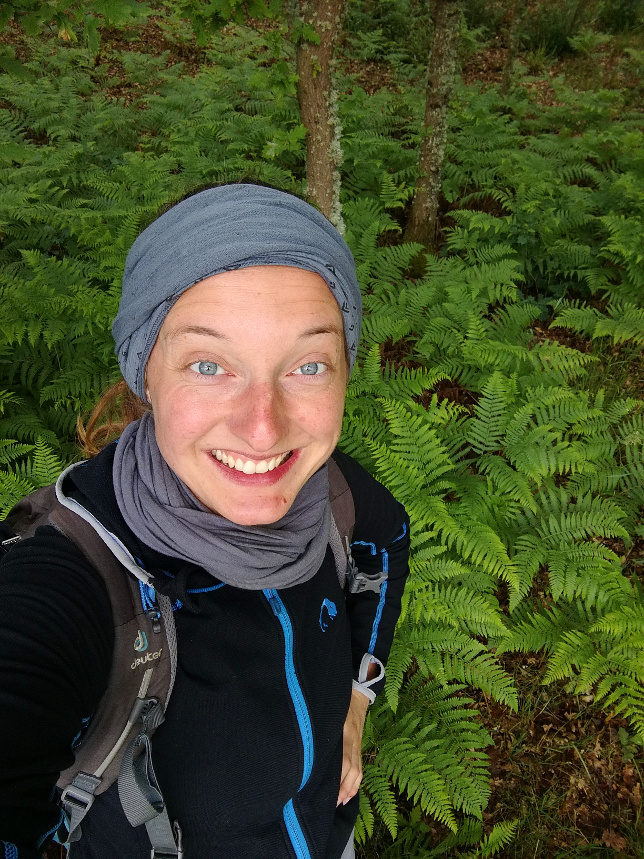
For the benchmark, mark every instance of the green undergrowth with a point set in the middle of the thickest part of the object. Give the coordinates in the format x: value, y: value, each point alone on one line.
x: 478, y: 396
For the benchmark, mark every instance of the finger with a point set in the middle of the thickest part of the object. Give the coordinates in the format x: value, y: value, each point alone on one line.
x: 350, y: 785
x: 351, y: 789
x: 344, y: 782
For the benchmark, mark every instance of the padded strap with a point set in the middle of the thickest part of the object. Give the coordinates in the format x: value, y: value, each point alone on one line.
x: 339, y: 553
x: 165, y: 607
x: 113, y: 543
x: 342, y: 506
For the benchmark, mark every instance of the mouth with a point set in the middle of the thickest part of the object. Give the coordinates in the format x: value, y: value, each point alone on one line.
x: 235, y: 462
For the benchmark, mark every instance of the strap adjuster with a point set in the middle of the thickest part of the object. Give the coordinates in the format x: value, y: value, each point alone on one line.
x: 360, y: 582
x: 77, y: 797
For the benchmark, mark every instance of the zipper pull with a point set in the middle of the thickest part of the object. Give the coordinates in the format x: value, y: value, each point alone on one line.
x: 154, y: 616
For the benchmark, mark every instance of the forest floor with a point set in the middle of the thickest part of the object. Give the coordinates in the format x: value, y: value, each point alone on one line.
x: 566, y: 769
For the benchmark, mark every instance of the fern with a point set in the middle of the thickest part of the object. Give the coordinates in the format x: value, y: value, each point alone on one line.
x: 20, y: 476
x: 501, y: 834
x: 623, y: 321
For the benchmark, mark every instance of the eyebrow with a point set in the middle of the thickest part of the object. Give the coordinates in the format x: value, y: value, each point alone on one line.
x: 205, y: 331
x: 322, y: 329
x: 197, y: 329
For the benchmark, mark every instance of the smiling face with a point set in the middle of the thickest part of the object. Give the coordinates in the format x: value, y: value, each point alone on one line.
x: 247, y: 381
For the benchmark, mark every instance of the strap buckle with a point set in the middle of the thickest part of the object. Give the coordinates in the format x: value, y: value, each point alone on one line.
x: 360, y: 582
x: 77, y: 798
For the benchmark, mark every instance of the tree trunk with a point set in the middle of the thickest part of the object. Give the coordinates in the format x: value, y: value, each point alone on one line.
x: 511, y: 34
x: 318, y: 105
x: 441, y: 72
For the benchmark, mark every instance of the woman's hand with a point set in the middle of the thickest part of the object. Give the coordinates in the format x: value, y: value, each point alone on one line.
x: 352, y: 747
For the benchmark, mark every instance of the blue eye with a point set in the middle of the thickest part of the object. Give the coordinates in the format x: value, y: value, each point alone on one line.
x: 313, y: 368
x: 206, y: 368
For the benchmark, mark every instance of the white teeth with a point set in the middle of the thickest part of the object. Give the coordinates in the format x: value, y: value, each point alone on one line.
x: 248, y: 466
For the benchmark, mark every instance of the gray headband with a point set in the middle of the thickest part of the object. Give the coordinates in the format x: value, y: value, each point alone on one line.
x: 222, y: 229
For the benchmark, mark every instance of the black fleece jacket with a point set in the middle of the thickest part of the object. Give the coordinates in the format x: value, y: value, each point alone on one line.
x: 230, y: 755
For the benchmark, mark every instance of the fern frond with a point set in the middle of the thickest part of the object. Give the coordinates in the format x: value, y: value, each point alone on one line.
x: 377, y: 785
x: 627, y: 620
x: 365, y: 821
x: 482, y: 672
x: 501, y: 835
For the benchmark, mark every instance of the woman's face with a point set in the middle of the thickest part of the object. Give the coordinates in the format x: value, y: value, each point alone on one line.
x: 247, y: 381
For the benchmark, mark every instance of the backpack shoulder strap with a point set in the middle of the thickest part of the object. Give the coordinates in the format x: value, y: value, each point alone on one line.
x: 144, y: 664
x: 143, y: 661
x: 142, y: 668
x: 343, y: 517
x: 342, y: 506
x: 341, y: 535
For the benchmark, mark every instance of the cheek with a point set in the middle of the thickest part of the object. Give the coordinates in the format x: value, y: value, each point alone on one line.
x: 323, y: 418
x: 179, y: 420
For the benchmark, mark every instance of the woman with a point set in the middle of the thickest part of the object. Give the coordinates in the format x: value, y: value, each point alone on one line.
x: 238, y: 327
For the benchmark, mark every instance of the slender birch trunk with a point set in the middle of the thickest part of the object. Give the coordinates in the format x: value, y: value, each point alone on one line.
x: 441, y: 72
x: 318, y: 105
x: 511, y: 33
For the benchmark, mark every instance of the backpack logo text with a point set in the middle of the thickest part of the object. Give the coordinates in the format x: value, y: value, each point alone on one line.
x: 149, y: 657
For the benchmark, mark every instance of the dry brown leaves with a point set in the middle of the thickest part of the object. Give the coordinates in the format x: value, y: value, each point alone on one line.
x: 559, y: 765
x: 370, y: 75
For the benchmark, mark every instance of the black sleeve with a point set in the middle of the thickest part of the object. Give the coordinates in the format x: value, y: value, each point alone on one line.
x: 56, y: 643
x: 380, y: 541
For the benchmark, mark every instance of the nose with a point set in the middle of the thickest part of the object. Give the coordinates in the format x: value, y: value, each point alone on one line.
x: 260, y: 418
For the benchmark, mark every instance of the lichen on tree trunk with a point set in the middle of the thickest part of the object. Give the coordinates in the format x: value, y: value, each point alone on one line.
x: 441, y: 72
x: 318, y: 105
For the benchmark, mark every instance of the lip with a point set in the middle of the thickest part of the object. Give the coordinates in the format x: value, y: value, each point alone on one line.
x: 269, y: 478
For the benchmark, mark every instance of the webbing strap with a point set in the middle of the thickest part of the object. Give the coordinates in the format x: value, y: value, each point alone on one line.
x: 158, y: 829
x: 142, y: 800
x: 76, y: 800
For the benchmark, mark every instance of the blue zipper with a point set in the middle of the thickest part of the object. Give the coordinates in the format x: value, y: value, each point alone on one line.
x: 298, y: 839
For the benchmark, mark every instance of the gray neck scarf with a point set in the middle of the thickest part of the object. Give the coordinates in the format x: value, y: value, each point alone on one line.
x: 160, y: 509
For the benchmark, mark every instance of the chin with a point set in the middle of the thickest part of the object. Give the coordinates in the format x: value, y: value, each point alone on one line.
x: 265, y: 515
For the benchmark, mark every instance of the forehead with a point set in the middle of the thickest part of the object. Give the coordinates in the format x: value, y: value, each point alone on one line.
x: 268, y: 295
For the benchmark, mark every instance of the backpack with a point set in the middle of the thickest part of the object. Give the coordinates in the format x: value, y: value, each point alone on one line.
x: 117, y: 743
